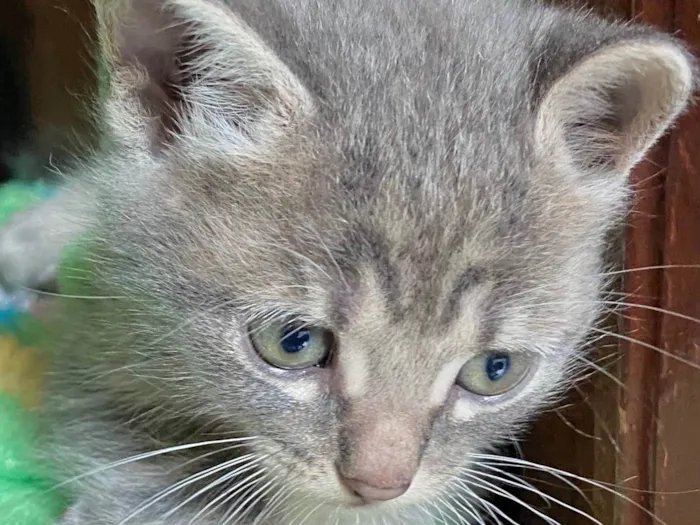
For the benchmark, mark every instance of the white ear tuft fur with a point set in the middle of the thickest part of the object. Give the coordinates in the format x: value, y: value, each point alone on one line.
x: 604, y: 114
x: 194, y: 66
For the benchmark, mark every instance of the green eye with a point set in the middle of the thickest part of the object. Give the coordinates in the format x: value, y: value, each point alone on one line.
x: 492, y: 374
x: 292, y: 346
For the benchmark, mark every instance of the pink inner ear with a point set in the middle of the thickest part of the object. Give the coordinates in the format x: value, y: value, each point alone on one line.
x: 613, y: 106
x: 177, y: 56
x: 151, y: 38
x: 148, y: 35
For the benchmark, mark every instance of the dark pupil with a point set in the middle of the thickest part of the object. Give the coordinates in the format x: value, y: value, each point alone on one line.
x: 295, y: 339
x: 497, y: 366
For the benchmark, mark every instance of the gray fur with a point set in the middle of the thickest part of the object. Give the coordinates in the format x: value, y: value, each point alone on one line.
x: 398, y: 172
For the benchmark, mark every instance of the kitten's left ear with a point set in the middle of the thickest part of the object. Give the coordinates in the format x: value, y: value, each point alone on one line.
x: 606, y: 111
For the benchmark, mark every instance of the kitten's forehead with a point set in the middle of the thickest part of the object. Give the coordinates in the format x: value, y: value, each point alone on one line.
x: 419, y: 305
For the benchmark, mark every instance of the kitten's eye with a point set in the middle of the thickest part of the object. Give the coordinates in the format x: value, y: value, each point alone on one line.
x: 492, y: 374
x: 292, y: 346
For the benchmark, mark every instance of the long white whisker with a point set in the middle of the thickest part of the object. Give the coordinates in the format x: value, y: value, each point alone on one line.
x: 506, y: 461
x: 249, y: 462
x: 526, y: 486
x: 490, y: 508
x: 449, y: 505
x: 250, y: 501
x: 568, y: 483
x: 647, y: 345
x: 652, y: 268
x: 494, y: 489
x: 424, y: 509
x: 229, y: 494
x: 651, y: 308
x: 274, y: 508
x: 148, y: 503
x: 207, y: 455
x: 461, y: 500
x: 147, y: 455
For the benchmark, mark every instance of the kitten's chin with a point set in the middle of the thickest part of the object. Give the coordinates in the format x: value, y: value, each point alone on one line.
x: 393, y: 512
x: 345, y: 509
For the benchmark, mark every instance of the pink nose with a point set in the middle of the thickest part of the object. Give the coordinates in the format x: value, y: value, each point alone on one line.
x: 369, y: 493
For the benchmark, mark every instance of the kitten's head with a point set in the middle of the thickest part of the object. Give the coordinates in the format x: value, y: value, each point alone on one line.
x: 367, y: 233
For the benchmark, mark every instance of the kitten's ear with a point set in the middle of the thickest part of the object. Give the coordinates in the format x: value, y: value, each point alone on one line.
x: 605, y: 112
x: 192, y: 67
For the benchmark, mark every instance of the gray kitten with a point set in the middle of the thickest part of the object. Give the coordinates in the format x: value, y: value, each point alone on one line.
x: 338, y: 249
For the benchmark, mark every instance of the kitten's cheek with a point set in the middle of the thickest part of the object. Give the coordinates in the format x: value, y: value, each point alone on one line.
x: 464, y: 410
x: 303, y: 390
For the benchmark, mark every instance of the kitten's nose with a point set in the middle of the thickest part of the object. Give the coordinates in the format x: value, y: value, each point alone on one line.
x: 370, y: 493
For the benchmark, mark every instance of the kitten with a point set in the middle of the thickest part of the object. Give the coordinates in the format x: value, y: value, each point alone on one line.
x: 338, y: 249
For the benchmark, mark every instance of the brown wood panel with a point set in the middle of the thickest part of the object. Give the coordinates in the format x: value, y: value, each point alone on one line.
x: 61, y: 71
x: 658, y: 12
x: 677, y: 500
x: 641, y: 326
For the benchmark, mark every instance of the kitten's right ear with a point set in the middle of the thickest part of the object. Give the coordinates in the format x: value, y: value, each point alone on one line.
x: 184, y: 68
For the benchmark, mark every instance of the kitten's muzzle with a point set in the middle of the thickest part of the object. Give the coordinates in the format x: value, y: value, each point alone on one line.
x: 370, y: 494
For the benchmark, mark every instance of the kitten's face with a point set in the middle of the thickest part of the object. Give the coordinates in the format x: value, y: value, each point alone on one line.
x: 363, y: 343
x: 373, y: 313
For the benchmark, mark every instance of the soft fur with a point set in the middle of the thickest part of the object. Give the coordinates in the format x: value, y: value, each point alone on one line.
x: 429, y: 179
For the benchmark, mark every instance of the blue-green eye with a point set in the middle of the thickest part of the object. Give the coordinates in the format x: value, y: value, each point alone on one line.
x: 291, y: 346
x: 495, y: 373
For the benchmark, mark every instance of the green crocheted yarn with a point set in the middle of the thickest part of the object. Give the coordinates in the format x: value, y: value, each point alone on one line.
x: 15, y: 196
x: 26, y: 495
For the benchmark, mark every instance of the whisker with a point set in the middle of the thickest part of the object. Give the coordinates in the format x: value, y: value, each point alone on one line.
x: 332, y: 258
x: 250, y: 460
x: 46, y: 293
x: 651, y: 268
x: 207, y: 455
x: 179, y: 486
x: 242, y: 500
x: 601, y: 421
x: 424, y: 509
x: 458, y: 499
x: 147, y: 455
x: 445, y: 500
x: 250, y: 501
x: 601, y: 370
x: 653, y: 309
x: 547, y: 497
x: 305, y: 258
x: 275, y: 502
x: 229, y: 494
x: 494, y: 489
x: 439, y: 510
x: 489, y: 507
x: 515, y: 478
x: 628, y: 339
x: 573, y: 427
x: 275, y: 508
x: 563, y: 479
x: 506, y: 461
